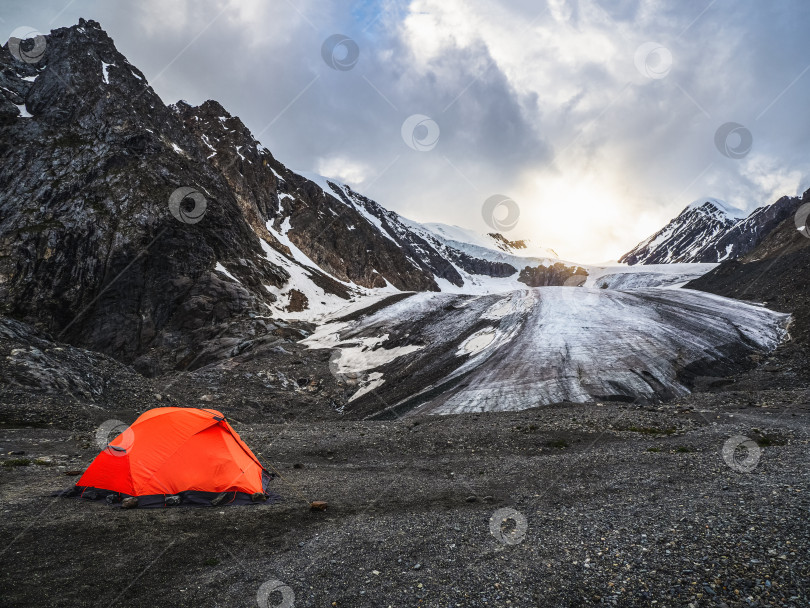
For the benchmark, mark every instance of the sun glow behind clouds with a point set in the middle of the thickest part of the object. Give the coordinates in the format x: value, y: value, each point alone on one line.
x: 632, y: 151
x: 572, y: 214
x: 585, y: 204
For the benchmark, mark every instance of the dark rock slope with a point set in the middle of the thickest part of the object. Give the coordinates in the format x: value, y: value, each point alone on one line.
x: 553, y: 274
x: 45, y: 382
x: 91, y: 252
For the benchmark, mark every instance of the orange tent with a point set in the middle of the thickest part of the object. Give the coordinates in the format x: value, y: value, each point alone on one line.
x: 173, y: 455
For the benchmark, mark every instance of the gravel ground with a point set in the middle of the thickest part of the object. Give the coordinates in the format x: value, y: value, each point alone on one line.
x: 614, y: 504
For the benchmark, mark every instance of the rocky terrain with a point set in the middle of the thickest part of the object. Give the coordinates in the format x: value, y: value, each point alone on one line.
x: 617, y: 505
x: 93, y: 253
x: 490, y: 425
x: 553, y: 275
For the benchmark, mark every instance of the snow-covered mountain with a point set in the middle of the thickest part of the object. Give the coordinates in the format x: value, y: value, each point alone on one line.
x: 460, y: 260
x: 485, y: 245
x: 710, y: 230
x: 688, y: 237
x: 94, y: 249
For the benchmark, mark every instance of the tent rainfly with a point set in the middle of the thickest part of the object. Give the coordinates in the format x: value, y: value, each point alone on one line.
x: 174, y: 455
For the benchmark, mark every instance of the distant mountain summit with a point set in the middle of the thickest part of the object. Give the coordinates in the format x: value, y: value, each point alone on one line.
x: 716, y: 206
x: 710, y: 230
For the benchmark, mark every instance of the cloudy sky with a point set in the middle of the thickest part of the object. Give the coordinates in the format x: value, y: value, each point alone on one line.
x: 600, y: 119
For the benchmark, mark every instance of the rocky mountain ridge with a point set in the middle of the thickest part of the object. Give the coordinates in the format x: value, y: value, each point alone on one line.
x: 709, y: 230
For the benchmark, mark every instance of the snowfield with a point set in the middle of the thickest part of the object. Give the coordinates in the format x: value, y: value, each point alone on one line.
x: 544, y: 345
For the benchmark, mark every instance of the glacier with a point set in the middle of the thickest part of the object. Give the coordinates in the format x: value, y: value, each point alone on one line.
x: 537, y: 346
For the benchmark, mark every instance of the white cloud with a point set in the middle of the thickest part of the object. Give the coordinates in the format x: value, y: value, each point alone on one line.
x: 345, y: 170
x: 771, y: 177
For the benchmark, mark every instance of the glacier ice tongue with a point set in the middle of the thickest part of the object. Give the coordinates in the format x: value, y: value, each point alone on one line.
x: 548, y: 345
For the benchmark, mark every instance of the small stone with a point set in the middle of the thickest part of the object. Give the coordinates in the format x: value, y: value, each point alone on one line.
x: 207, y: 398
x: 318, y: 505
x: 417, y: 567
x: 471, y: 499
x: 129, y: 503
